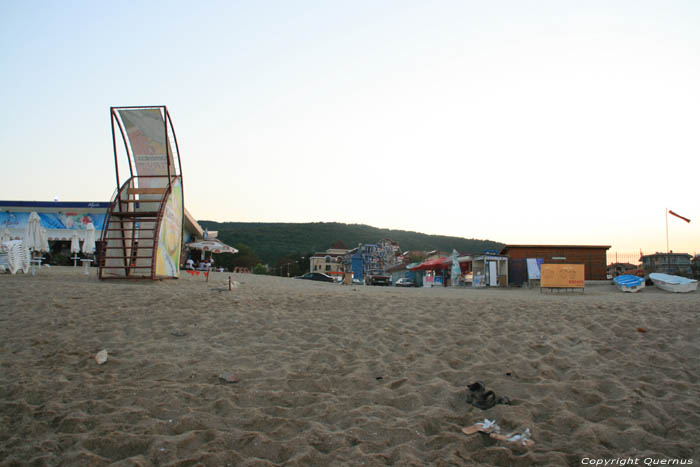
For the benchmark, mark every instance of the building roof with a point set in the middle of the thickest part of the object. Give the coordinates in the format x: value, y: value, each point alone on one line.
x: 398, y: 267
x: 629, y: 265
x: 323, y: 254
x: 670, y: 253
x: 21, y: 205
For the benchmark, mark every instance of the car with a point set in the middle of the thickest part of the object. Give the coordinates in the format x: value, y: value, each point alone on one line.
x: 377, y: 277
x: 405, y: 282
x: 316, y: 276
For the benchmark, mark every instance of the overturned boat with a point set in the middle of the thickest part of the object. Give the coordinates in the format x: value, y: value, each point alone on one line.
x: 676, y: 284
x: 629, y: 283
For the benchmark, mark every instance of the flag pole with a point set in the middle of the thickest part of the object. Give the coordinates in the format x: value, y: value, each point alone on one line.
x: 667, y: 250
x: 668, y: 256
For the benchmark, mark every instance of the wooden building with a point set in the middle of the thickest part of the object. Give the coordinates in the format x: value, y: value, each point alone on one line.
x: 593, y: 257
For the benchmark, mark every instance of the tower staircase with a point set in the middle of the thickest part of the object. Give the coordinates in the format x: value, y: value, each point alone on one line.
x: 142, y: 236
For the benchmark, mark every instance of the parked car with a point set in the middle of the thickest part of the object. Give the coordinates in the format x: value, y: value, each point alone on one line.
x: 377, y: 277
x: 405, y: 282
x: 316, y: 276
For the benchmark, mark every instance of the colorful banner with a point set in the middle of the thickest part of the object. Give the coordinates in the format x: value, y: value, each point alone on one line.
x: 563, y: 275
x: 58, y: 220
x: 170, y: 236
x: 145, y: 129
x: 533, y: 268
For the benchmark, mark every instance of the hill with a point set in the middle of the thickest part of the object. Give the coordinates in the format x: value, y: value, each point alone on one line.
x: 271, y: 241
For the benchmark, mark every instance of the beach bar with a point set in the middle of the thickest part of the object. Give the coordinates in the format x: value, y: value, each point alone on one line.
x: 593, y: 257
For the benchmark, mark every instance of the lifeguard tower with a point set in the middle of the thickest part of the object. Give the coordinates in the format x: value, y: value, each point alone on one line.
x: 142, y: 237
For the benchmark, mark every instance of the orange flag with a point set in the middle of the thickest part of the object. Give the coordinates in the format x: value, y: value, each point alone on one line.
x: 679, y: 216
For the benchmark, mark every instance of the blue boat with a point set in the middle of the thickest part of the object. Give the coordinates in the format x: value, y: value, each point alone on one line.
x: 629, y: 283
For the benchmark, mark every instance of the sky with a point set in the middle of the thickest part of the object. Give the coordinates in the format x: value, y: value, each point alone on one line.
x: 538, y: 122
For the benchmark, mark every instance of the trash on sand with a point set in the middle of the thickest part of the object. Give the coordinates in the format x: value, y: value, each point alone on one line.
x: 178, y: 333
x: 522, y: 439
x: 101, y: 357
x: 229, y: 377
x: 481, y: 398
x: 490, y: 427
x: 641, y: 329
x: 487, y: 426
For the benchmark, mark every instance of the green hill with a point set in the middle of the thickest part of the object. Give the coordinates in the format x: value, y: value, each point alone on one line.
x: 272, y: 241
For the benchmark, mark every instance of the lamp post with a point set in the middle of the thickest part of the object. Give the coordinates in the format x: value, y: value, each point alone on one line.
x: 287, y: 264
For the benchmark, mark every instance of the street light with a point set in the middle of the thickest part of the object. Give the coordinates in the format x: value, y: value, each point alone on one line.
x: 287, y: 264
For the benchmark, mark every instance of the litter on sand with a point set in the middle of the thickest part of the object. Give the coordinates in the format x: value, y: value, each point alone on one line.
x: 479, y: 397
x: 229, y: 377
x: 487, y: 426
x: 522, y: 439
x: 101, y: 357
x: 490, y: 427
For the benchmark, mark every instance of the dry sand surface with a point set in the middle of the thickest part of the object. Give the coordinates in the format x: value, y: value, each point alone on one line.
x: 338, y: 375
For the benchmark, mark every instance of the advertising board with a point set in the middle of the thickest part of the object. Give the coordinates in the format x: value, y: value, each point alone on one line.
x: 562, y: 276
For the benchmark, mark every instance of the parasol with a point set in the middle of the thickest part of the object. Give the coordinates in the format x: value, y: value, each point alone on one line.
x: 4, y: 237
x: 32, y: 234
x: 89, y: 244
x: 213, y: 246
x: 75, y: 247
x: 44, y: 235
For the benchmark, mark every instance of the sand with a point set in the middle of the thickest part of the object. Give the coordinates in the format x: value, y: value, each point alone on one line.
x: 337, y: 375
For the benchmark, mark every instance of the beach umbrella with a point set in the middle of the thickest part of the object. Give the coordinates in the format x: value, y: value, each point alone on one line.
x: 75, y: 247
x: 456, y: 269
x: 214, y: 246
x: 44, y: 240
x: 89, y: 242
x: 32, y: 234
x: 5, y: 237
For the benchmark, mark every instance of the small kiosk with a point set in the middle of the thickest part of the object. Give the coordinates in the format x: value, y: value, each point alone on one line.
x: 490, y: 270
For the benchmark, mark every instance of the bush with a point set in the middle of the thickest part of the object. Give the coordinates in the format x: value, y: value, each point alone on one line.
x: 260, y: 269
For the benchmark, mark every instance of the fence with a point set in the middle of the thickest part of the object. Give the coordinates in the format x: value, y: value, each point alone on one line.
x: 629, y: 258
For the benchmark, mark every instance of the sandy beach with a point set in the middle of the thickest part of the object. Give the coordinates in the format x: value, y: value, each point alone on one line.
x: 336, y: 375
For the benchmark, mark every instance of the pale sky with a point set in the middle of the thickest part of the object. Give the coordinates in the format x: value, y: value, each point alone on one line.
x: 538, y: 122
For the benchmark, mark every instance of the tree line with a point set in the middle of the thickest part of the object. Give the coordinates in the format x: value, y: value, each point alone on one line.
x: 285, y: 248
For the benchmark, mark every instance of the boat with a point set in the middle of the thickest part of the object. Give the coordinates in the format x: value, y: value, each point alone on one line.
x: 629, y: 283
x: 671, y: 283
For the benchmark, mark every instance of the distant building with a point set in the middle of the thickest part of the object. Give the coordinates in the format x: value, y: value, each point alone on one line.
x: 382, y: 255
x: 401, y: 271
x: 695, y: 266
x: 670, y: 263
x: 616, y: 269
x: 329, y: 262
x: 62, y: 219
x: 593, y: 257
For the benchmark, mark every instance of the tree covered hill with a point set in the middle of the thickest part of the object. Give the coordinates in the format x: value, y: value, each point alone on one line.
x: 271, y: 241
